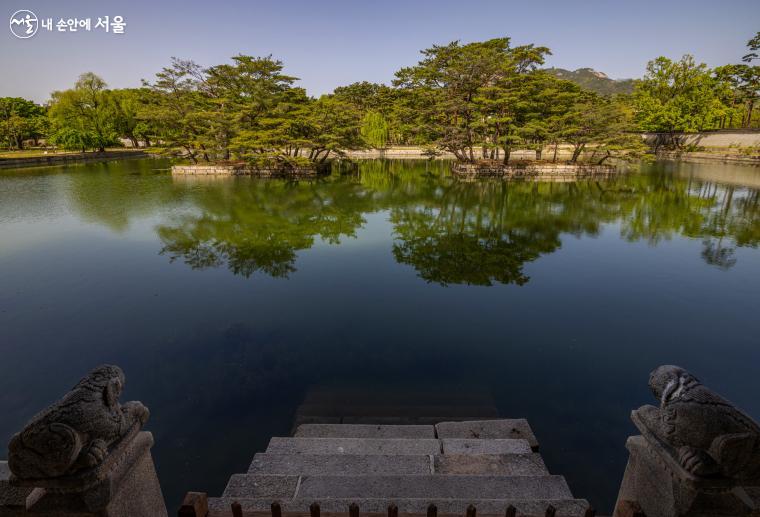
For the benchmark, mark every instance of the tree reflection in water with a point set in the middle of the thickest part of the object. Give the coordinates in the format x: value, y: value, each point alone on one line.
x: 452, y: 232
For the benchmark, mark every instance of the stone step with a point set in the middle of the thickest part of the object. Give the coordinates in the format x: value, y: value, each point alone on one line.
x: 355, y: 465
x: 530, y: 464
x: 502, y: 428
x: 405, y: 420
x: 399, y: 395
x: 300, y: 420
x: 432, y: 486
x: 476, y: 446
x: 317, y: 488
x: 362, y: 446
x: 340, y: 464
x: 270, y: 486
x: 396, y: 411
x: 417, y: 507
x: 364, y: 431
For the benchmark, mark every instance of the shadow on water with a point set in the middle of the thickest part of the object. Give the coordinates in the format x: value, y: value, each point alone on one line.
x: 229, y: 300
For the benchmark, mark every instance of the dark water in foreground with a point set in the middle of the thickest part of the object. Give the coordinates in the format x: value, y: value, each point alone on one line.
x: 225, y: 300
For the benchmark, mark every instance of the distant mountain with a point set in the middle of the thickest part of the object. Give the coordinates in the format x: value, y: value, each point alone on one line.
x: 594, y: 81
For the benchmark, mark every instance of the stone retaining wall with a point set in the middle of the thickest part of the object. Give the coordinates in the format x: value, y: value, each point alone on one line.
x: 59, y: 159
x: 715, y: 139
x: 703, y: 157
x: 538, y: 171
x: 244, y: 170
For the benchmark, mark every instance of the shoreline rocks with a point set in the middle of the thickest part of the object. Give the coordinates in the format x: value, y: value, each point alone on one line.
x: 248, y: 170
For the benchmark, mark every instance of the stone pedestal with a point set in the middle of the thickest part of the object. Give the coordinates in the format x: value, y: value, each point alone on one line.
x: 662, y: 488
x: 125, y: 484
x: 657, y: 483
x: 12, y: 498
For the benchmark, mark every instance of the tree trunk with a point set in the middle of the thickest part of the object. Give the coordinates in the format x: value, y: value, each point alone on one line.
x: 604, y: 158
x: 554, y: 158
x: 577, y: 152
x: 749, y: 113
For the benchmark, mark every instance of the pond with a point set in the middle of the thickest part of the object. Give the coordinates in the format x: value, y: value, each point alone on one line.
x: 227, y: 300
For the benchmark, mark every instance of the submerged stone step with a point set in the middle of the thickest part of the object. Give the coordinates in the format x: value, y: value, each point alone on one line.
x: 220, y: 507
x: 361, y: 446
x: 400, y: 395
x: 261, y: 486
x: 502, y: 428
x: 407, y: 420
x: 476, y: 446
x: 432, y: 486
x: 490, y: 464
x: 376, y: 410
x: 364, y: 431
x: 341, y: 464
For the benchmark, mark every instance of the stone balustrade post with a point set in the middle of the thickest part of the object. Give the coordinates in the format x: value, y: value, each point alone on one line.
x: 697, y: 455
x: 84, y: 456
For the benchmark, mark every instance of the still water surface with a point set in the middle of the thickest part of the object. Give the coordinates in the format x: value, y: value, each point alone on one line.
x: 225, y: 300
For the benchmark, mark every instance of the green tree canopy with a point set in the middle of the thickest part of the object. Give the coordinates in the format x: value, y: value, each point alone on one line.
x: 678, y: 96
x: 83, y: 117
x: 20, y: 120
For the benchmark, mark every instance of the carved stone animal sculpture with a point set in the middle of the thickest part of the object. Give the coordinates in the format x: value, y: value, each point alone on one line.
x: 76, y: 432
x: 710, y: 435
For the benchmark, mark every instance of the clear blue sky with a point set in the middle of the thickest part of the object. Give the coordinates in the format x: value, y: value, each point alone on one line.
x: 328, y: 43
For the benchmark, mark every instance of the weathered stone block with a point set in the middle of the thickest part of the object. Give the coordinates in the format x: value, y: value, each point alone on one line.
x: 261, y: 486
x: 128, y: 485
x: 343, y: 464
x: 490, y: 464
x: 364, y: 431
x: 662, y: 489
x: 449, y: 487
x: 537, y: 170
x: 476, y: 446
x: 383, y: 446
x: 514, y: 428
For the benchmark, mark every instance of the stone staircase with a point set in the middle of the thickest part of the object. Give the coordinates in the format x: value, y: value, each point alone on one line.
x: 401, y: 403
x: 485, y: 465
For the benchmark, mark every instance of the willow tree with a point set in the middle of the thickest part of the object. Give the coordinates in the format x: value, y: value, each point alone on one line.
x: 83, y: 116
x: 375, y: 129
